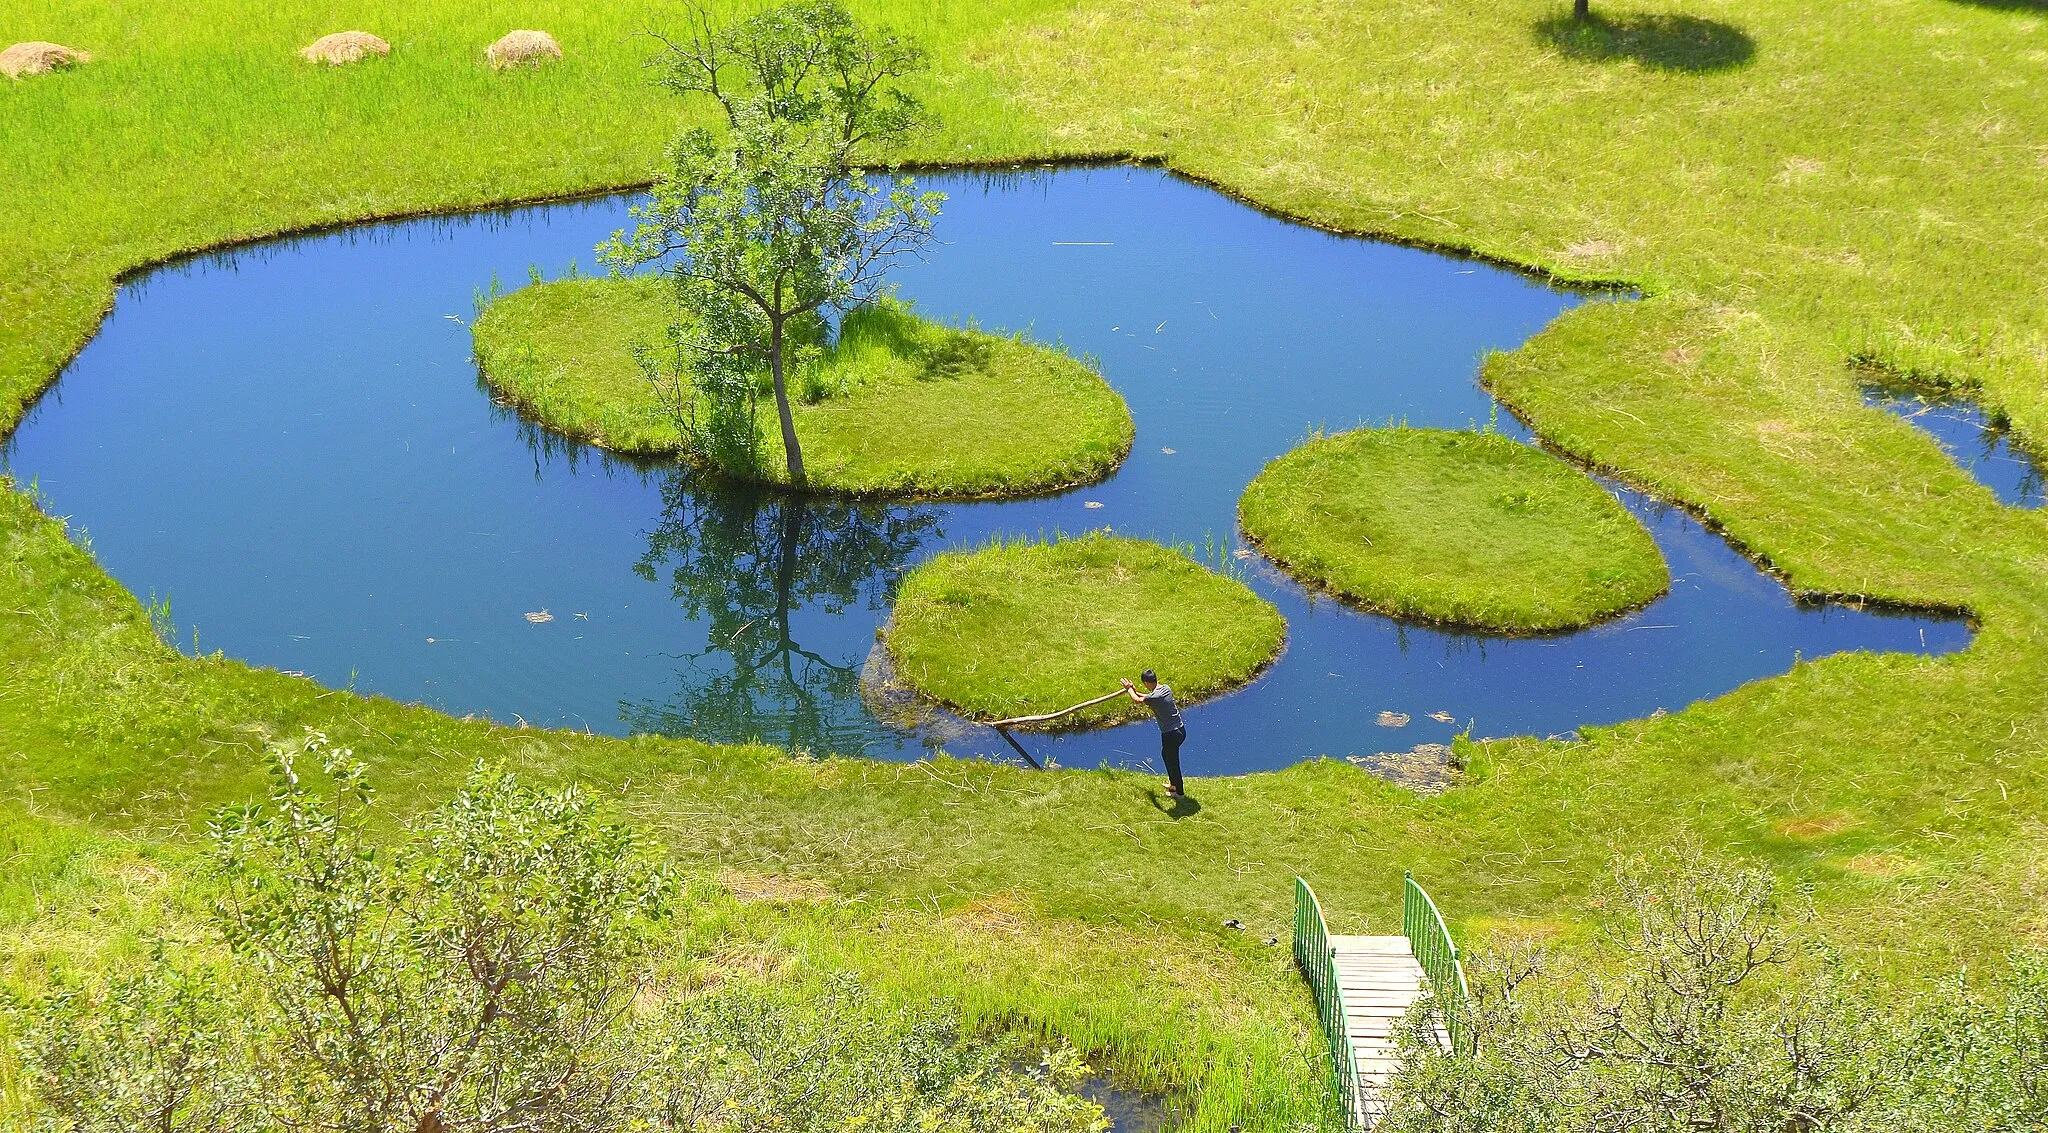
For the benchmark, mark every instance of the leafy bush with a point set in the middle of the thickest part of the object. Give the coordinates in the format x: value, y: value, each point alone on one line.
x: 1722, y: 1020
x: 493, y: 972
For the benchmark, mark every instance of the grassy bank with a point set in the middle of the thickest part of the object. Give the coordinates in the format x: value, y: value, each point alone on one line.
x: 1470, y: 529
x: 1870, y: 174
x: 896, y: 404
x: 1016, y: 629
x: 1833, y: 182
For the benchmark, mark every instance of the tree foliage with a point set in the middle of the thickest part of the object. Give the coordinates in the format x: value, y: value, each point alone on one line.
x: 473, y: 980
x: 840, y: 1060
x: 767, y: 221
x: 493, y: 972
x: 1978, y: 1058
x: 1721, y: 1021
x: 140, y: 1053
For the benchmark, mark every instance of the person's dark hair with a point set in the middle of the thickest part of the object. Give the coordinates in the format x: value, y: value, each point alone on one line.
x: 1149, y: 677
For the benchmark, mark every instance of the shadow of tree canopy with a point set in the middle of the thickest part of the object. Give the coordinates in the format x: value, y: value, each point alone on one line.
x: 1658, y: 40
x: 2006, y: 5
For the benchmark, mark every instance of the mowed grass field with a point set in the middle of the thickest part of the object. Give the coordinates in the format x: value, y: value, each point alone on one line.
x: 1795, y: 189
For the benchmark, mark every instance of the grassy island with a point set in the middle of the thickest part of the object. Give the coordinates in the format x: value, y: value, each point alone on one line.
x: 1021, y: 628
x: 897, y: 405
x: 1470, y: 529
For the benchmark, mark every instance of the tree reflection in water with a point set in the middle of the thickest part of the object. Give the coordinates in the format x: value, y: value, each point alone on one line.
x: 743, y: 559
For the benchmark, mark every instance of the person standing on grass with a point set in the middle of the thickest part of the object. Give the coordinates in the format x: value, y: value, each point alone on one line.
x: 1172, y: 732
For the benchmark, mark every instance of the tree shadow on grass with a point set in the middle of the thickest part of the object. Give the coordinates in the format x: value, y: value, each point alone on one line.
x: 1663, y: 42
x: 2006, y: 5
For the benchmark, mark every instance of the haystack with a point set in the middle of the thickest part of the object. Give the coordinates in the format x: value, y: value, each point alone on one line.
x: 38, y: 58
x: 344, y: 47
x: 520, y: 47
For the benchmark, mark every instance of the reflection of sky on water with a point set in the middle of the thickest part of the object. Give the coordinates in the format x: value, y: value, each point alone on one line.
x: 1983, y: 448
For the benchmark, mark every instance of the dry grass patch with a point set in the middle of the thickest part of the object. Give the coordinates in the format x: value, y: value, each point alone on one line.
x: 521, y: 48
x: 997, y: 914
x: 38, y: 58
x: 344, y: 47
x: 1881, y: 865
x: 746, y: 964
x: 774, y: 888
x: 1507, y: 934
x: 1818, y: 825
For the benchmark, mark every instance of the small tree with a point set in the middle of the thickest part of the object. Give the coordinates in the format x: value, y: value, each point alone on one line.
x: 476, y: 980
x: 489, y: 975
x: 151, y: 1052
x: 766, y: 223
x: 1682, y: 1041
x: 832, y: 1058
x: 1978, y: 1058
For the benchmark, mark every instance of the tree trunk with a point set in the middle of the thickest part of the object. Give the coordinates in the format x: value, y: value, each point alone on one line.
x: 1581, y: 9
x: 793, y: 509
x: 790, y: 449
x: 792, y: 516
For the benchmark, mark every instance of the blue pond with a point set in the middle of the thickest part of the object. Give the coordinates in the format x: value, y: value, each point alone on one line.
x: 289, y: 443
x: 1983, y: 447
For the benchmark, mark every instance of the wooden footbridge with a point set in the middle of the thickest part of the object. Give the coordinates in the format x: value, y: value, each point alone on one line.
x: 1364, y: 986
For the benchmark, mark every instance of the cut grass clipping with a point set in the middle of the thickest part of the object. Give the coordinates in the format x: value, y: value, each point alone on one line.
x: 898, y: 406
x: 1020, y: 628
x: 1467, y: 529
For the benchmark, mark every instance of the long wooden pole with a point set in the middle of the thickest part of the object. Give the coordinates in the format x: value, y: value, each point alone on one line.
x: 1044, y: 716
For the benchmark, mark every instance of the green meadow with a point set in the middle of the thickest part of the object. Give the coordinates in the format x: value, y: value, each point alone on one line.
x: 1801, y: 193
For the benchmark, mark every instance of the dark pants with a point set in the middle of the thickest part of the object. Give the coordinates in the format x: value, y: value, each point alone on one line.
x: 1169, y: 753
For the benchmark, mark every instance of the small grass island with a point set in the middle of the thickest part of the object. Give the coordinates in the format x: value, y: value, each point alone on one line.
x: 1021, y: 628
x: 1465, y: 529
x: 896, y: 405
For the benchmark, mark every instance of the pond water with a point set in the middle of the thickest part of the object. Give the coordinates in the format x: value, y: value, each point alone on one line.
x: 289, y: 443
x: 1128, y: 1111
x: 1983, y: 447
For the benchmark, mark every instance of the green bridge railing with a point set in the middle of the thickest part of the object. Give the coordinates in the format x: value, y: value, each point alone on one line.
x: 1431, y: 941
x: 1312, y: 954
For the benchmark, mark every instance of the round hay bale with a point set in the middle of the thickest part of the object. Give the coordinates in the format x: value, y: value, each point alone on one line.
x: 521, y: 47
x: 39, y: 58
x: 344, y: 47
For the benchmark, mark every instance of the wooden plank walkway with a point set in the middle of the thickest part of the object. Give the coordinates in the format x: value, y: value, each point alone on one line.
x: 1377, y: 979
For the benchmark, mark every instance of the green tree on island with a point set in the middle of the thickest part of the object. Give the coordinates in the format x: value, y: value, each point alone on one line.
x: 766, y: 223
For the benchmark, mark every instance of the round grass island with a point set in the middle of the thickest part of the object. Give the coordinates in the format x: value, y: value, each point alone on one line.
x: 1022, y: 628
x: 1464, y: 529
x: 897, y: 405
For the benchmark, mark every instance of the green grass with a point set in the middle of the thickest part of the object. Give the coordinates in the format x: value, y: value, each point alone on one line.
x: 1023, y: 628
x: 1864, y: 182
x: 898, y: 404
x: 1472, y: 529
